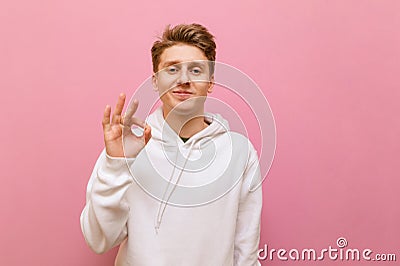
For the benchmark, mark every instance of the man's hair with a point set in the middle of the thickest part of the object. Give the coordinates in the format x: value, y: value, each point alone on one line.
x: 190, y: 34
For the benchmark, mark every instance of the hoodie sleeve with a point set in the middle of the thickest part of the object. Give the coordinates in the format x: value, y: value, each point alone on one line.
x: 103, y: 219
x: 247, y: 235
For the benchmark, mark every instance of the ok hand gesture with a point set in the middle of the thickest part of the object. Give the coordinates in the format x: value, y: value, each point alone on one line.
x: 118, y: 137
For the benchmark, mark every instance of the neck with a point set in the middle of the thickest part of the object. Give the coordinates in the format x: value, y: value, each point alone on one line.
x: 185, y: 125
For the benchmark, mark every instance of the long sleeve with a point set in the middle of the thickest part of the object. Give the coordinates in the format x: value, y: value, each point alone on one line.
x: 247, y: 234
x: 103, y: 219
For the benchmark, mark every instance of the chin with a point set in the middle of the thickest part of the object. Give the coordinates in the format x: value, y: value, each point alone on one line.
x: 193, y: 106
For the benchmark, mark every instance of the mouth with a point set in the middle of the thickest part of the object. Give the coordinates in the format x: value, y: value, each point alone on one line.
x: 182, y: 92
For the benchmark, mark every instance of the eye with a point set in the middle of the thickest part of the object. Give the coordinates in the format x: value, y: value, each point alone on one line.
x: 196, y: 71
x: 172, y: 69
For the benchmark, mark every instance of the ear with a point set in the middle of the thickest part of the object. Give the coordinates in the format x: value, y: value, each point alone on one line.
x: 154, y: 81
x: 211, y: 85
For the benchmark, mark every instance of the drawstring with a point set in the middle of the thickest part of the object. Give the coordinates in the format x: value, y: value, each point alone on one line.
x: 163, y: 203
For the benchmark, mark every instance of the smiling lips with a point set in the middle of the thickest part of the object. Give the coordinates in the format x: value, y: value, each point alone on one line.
x: 182, y: 94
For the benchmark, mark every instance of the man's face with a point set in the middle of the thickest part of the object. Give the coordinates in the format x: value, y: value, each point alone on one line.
x: 183, y: 80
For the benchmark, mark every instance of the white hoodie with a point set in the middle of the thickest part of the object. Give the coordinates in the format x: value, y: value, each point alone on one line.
x: 178, y: 203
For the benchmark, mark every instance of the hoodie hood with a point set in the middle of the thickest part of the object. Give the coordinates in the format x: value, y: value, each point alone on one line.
x: 162, y: 132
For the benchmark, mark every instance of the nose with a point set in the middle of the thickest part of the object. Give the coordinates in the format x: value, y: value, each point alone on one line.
x: 183, y: 79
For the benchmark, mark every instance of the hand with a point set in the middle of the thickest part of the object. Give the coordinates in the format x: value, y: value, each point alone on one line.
x: 118, y: 137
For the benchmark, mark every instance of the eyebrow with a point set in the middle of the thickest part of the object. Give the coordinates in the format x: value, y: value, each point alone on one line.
x: 169, y: 63
x: 175, y: 62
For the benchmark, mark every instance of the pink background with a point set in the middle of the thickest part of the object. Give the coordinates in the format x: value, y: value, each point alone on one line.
x: 329, y: 69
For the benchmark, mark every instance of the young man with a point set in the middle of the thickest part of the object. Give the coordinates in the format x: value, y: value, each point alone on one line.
x: 180, y: 194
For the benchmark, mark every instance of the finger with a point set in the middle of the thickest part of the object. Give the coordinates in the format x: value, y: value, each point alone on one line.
x: 137, y: 121
x: 118, y: 109
x: 131, y: 110
x: 106, y: 117
x: 147, y: 134
x: 133, y: 121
